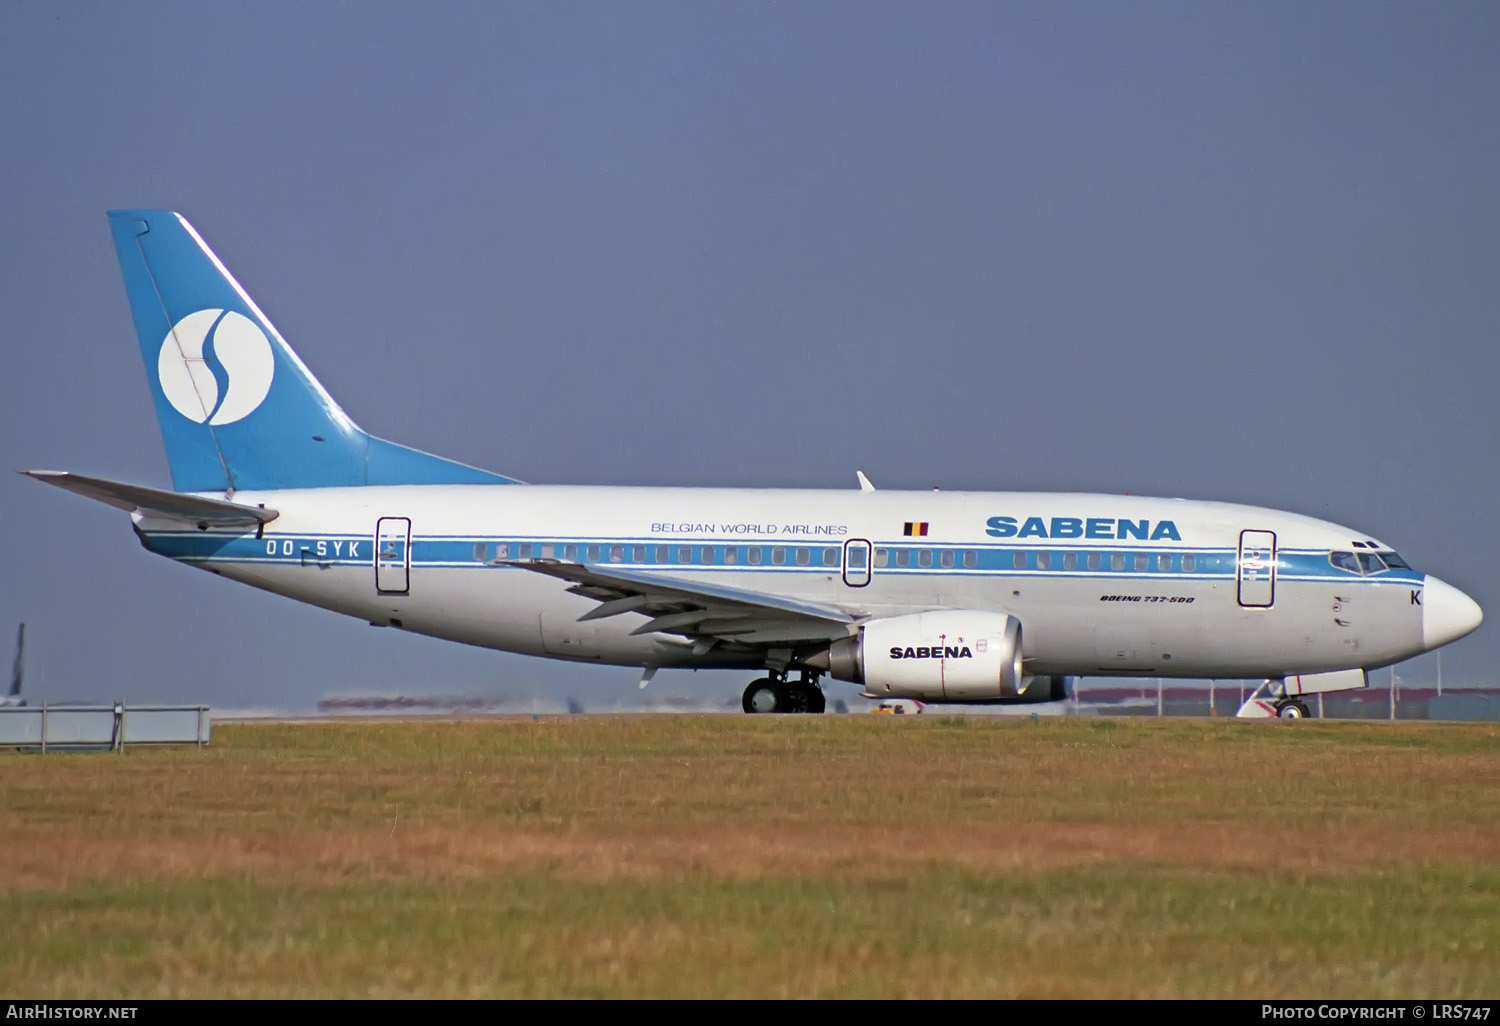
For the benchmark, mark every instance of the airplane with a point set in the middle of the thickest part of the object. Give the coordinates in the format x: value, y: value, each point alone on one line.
x: 17, y: 673
x: 937, y: 597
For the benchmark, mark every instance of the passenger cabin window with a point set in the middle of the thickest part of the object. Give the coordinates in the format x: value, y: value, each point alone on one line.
x: 593, y: 553
x: 946, y: 558
x: 731, y: 554
x: 1164, y: 561
x: 1044, y: 560
x: 754, y: 555
x: 971, y: 558
x: 1189, y: 562
x: 524, y: 552
x: 903, y: 557
x: 856, y: 557
x: 831, y: 557
x: 804, y: 556
x: 1142, y: 561
x: 882, y: 557
x: 661, y: 553
x: 640, y: 554
x: 778, y: 556
x: 1018, y: 561
x: 617, y: 553
x: 1094, y: 562
x: 1070, y: 561
x: 1117, y: 561
x: 570, y: 553
x: 549, y: 551
x: 685, y: 554
x: 924, y: 557
x: 480, y: 551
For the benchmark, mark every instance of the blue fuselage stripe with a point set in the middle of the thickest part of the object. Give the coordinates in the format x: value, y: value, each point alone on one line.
x: 900, y: 558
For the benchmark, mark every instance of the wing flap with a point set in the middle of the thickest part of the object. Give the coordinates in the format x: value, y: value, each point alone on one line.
x: 192, y: 509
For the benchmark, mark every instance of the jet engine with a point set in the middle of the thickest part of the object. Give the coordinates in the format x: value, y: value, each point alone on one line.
x: 953, y: 655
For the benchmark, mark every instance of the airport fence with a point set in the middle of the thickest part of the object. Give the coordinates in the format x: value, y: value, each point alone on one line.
x: 1373, y: 703
x: 103, y: 727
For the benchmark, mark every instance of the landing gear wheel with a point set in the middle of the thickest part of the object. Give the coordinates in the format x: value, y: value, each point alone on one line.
x: 765, y: 696
x: 805, y: 697
x: 1292, y: 711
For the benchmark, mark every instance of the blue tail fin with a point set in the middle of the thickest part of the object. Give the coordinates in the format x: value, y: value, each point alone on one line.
x: 237, y: 408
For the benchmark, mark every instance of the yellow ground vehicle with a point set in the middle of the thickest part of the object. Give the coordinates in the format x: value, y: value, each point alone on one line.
x: 898, y: 707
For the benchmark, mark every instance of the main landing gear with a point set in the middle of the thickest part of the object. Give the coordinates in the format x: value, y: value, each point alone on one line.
x: 779, y: 695
x: 1292, y: 710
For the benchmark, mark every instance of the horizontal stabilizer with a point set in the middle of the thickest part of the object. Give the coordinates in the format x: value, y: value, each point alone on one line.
x: 193, y: 509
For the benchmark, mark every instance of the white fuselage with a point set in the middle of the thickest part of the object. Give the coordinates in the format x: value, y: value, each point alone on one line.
x: 1103, y: 584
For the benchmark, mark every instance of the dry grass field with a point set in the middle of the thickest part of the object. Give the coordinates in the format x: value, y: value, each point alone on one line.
x: 717, y: 856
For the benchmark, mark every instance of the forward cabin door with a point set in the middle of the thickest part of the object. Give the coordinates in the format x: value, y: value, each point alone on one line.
x: 1257, y: 569
x: 393, y: 555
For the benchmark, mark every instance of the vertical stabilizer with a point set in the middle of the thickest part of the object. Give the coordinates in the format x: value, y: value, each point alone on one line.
x: 237, y: 408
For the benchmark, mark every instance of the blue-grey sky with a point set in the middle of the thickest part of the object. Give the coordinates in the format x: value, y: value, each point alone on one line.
x: 1235, y: 251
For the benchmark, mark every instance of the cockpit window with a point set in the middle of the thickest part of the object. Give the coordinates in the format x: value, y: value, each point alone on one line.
x: 1366, y: 563
x: 1344, y: 561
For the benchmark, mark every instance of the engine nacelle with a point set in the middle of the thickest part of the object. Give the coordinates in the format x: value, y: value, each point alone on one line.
x: 954, y: 655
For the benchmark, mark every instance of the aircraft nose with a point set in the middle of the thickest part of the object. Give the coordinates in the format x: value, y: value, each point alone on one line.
x: 1447, y: 614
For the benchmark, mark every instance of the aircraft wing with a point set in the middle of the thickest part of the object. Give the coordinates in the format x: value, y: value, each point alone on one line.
x: 704, y: 613
x: 192, y: 509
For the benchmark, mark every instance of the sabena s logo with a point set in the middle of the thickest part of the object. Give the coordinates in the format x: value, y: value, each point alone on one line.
x: 215, y: 366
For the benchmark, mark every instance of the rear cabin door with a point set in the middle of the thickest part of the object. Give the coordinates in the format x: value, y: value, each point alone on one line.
x: 1257, y: 569
x: 856, y: 562
x: 393, y: 555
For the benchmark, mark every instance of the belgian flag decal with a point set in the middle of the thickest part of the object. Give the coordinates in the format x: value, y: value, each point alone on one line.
x: 915, y: 529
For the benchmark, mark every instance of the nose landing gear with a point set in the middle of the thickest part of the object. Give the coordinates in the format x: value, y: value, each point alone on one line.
x: 1271, y: 701
x: 1292, y: 710
x: 776, y: 694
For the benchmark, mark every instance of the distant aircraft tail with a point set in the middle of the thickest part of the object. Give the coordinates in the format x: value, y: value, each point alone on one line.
x: 238, y: 410
x: 18, y: 671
